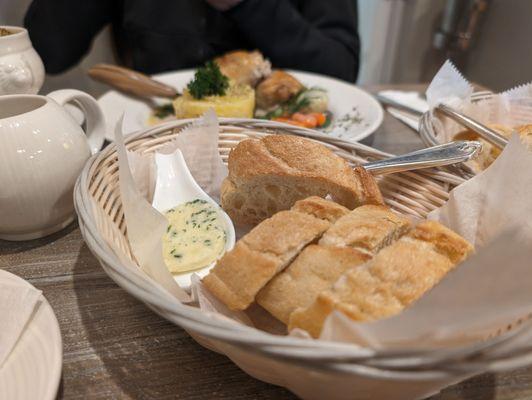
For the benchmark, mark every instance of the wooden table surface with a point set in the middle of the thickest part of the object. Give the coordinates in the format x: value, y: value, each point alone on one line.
x: 115, y: 347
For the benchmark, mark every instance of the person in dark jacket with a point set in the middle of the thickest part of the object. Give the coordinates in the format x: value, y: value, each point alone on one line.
x: 153, y: 36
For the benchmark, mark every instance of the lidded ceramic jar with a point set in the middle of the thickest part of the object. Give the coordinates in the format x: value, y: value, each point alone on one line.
x: 21, y: 68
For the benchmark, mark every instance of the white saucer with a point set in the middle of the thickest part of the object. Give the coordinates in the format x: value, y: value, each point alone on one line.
x: 33, y: 369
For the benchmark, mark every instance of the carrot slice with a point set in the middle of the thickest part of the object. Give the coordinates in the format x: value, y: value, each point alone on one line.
x: 320, y: 117
x: 289, y: 121
x: 308, y: 120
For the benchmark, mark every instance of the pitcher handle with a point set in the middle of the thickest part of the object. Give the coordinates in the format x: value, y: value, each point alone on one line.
x: 95, y: 120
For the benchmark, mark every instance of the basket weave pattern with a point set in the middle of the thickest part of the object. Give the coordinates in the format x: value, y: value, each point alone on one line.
x: 101, y: 218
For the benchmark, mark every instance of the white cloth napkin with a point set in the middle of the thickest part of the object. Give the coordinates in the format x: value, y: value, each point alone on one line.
x: 18, y: 301
x: 411, y: 99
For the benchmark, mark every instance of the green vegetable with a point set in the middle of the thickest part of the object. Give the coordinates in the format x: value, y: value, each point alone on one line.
x: 276, y: 112
x: 208, y: 81
x: 164, y: 110
x: 307, y: 100
x: 316, y: 100
x: 296, y: 103
x: 328, y: 120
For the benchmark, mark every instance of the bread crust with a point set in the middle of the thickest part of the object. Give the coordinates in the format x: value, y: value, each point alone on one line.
x: 315, y: 269
x: 351, y: 241
x: 397, y: 276
x: 320, y: 208
x: 367, y: 228
x: 266, y: 250
x: 296, y: 168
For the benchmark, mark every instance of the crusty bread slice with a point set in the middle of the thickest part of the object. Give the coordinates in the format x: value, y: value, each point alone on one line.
x: 367, y: 228
x: 321, y: 208
x: 269, y: 175
x: 267, y: 249
x: 315, y: 269
x: 397, y: 276
x: 352, y: 240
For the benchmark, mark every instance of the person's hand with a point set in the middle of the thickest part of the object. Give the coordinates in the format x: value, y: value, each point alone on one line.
x: 223, y: 5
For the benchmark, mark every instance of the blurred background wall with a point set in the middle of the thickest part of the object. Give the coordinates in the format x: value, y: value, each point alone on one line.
x: 397, y: 43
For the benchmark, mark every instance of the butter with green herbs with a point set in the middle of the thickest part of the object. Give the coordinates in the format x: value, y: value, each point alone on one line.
x: 195, y: 236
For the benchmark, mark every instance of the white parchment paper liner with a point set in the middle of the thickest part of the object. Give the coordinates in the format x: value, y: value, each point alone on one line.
x: 145, y: 225
x: 510, y: 108
x: 492, y: 288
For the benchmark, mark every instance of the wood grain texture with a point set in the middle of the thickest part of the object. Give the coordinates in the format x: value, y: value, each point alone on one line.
x: 116, y: 348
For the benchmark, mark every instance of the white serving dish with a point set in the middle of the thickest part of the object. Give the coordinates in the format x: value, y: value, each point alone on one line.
x: 343, y: 98
x: 33, y: 369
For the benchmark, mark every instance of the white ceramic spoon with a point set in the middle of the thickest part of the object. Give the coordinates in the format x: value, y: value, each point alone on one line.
x: 175, y: 185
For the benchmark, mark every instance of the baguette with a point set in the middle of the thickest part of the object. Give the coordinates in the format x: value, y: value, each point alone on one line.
x: 315, y: 269
x: 367, y: 229
x: 397, y: 276
x: 351, y: 241
x: 269, y: 175
x: 320, y: 208
x: 266, y: 250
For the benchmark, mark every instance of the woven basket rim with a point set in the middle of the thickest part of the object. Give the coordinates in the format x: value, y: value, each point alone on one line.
x: 335, y: 356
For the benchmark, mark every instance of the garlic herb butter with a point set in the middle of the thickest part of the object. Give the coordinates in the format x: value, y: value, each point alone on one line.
x: 195, y: 236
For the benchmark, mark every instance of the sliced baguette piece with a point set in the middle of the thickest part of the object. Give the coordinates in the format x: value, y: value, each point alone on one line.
x: 321, y: 208
x: 351, y: 241
x: 266, y: 250
x: 315, y: 269
x: 397, y: 276
x: 367, y: 228
x: 269, y: 175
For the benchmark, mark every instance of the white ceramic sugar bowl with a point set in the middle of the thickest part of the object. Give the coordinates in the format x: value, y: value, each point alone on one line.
x: 42, y: 152
x: 21, y: 68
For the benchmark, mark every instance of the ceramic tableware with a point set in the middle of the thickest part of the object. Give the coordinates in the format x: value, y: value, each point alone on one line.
x: 21, y: 68
x: 175, y: 185
x: 42, y: 151
x: 33, y: 368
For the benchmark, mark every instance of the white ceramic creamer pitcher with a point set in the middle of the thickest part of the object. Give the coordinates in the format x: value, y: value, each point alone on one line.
x: 42, y: 152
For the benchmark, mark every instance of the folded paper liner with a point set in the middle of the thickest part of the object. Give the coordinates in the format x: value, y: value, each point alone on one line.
x: 492, y: 289
x: 510, y: 108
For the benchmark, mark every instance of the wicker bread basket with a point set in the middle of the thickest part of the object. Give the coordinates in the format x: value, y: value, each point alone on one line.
x: 311, y: 369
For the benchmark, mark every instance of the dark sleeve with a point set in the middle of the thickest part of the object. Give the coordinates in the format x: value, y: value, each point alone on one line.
x: 62, y: 30
x: 316, y: 35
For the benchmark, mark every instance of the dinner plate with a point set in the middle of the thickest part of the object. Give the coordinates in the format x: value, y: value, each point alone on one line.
x: 33, y: 369
x: 356, y: 113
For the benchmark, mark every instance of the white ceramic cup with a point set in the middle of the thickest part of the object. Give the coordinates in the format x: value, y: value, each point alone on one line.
x: 21, y: 68
x: 42, y: 151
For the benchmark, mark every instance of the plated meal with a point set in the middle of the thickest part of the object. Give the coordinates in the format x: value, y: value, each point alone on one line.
x: 322, y: 238
x: 355, y: 114
x: 242, y: 84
